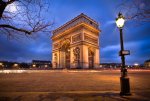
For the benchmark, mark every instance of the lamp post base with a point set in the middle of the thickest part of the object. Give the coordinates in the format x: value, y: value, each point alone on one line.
x: 125, y: 86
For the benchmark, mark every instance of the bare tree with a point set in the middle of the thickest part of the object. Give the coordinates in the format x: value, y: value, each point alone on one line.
x: 136, y: 9
x: 28, y: 17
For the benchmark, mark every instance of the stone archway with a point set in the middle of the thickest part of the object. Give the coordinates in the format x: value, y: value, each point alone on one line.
x: 91, y: 58
x: 65, y: 54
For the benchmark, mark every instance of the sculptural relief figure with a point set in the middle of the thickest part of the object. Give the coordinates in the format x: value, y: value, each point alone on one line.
x: 65, y: 53
x: 91, y: 57
x: 55, y: 60
x: 76, y: 53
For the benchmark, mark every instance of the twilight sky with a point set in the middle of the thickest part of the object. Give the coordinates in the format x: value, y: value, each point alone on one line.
x: 136, y: 36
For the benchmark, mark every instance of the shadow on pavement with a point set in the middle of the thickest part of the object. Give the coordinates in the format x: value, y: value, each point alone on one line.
x: 37, y: 96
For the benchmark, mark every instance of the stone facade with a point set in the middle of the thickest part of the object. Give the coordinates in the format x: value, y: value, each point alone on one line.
x: 76, y: 44
x: 147, y: 63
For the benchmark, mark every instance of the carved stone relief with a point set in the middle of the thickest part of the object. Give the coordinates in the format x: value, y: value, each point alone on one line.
x: 76, y: 38
x: 56, y: 45
x: 90, y: 39
x: 91, y: 57
x: 55, y: 60
x: 76, y: 53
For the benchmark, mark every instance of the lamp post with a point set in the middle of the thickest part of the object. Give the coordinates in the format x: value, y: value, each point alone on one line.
x: 124, y: 80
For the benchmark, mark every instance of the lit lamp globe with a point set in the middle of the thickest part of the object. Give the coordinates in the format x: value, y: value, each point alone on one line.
x: 120, y: 21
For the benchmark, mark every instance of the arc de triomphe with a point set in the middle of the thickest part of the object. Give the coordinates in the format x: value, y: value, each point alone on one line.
x: 76, y: 44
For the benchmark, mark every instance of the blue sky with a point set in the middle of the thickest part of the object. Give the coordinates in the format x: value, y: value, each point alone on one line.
x: 136, y: 36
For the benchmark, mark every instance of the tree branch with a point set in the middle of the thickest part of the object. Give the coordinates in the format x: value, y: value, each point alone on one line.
x: 14, y: 28
x: 33, y: 18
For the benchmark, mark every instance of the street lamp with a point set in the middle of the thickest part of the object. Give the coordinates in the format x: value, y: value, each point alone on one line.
x: 124, y: 80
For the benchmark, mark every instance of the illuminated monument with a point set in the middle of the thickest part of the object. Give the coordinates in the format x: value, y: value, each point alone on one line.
x: 76, y: 44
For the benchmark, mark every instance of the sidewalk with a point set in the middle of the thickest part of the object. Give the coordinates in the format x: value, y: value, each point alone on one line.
x: 73, y: 96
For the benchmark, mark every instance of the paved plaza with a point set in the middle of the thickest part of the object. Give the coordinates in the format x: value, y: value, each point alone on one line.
x: 72, y: 85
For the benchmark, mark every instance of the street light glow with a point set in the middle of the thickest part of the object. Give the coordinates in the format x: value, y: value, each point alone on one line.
x: 120, y: 20
x: 15, y: 65
x: 12, y: 71
x: 1, y: 64
x: 136, y: 64
x: 33, y: 65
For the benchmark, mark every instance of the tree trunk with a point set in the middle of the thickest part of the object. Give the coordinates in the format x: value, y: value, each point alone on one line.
x: 2, y: 8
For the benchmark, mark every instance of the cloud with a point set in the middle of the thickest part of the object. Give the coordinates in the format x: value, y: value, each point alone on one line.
x: 139, y: 52
x: 25, y: 50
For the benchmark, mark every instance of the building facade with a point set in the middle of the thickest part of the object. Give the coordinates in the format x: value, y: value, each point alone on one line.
x: 76, y: 44
x: 36, y: 64
x: 147, y: 63
x: 41, y: 64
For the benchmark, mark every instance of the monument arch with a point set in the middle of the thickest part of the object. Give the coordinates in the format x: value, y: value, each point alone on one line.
x: 76, y: 44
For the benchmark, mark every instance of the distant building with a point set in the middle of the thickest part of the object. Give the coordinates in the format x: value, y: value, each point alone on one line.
x: 2, y: 64
x: 110, y: 65
x: 25, y: 65
x: 147, y: 63
x: 16, y: 65
x: 41, y: 64
x: 8, y: 65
